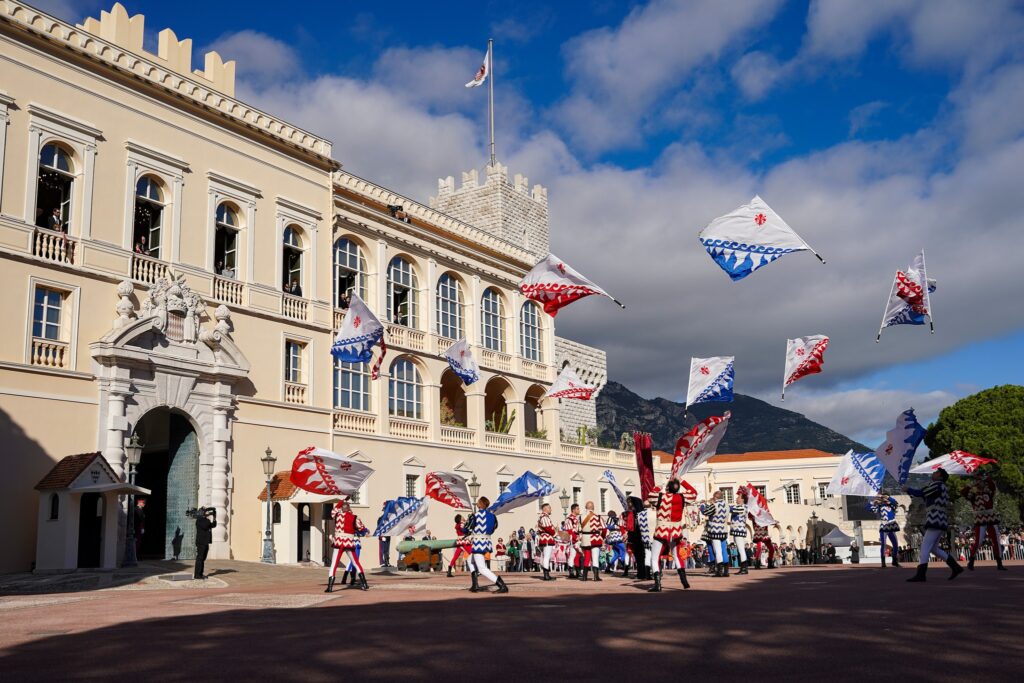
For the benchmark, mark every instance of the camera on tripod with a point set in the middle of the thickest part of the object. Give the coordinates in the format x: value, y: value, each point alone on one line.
x: 196, y: 513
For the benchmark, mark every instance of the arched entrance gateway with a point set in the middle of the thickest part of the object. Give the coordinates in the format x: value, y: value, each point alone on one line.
x: 163, y: 375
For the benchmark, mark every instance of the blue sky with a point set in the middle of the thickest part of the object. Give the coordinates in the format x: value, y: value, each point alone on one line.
x: 874, y: 127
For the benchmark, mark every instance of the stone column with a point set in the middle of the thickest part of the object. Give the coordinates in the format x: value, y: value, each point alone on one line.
x: 519, y: 426
x: 117, y: 425
x: 219, y: 485
x: 475, y: 412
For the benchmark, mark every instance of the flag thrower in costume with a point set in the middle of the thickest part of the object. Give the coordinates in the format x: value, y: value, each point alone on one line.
x: 858, y: 474
x: 360, y: 332
x: 521, y: 491
x: 448, y: 488
x: 897, y: 451
x: 711, y: 379
x: 569, y: 385
x: 644, y: 462
x: 553, y: 283
x: 699, y: 444
x: 757, y: 507
x: 320, y: 471
x: 910, y: 300
x: 402, y: 517
x: 958, y: 462
x: 750, y: 237
x: 804, y: 356
x: 460, y: 358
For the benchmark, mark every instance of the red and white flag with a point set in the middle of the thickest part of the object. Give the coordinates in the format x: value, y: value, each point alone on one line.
x: 757, y: 507
x: 448, y: 488
x: 569, y: 385
x: 699, y: 444
x: 804, y: 356
x: 321, y: 471
x: 553, y: 283
x: 957, y: 462
x: 482, y: 73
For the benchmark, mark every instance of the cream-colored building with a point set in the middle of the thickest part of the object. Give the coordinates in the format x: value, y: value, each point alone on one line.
x: 150, y: 225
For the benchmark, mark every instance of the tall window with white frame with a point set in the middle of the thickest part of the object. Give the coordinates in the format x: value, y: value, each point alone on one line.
x: 293, y: 371
x: 762, y: 489
x: 823, y: 493
x: 405, y: 390
x: 604, y: 500
x: 449, y: 307
x: 351, y: 386
x: 46, y: 314
x: 729, y: 494
x: 147, y: 236
x: 54, y: 188
x: 412, y: 485
x: 529, y: 332
x: 577, y: 493
x: 291, y: 261
x: 349, y: 272
x: 225, y: 241
x: 793, y: 493
x: 492, y: 325
x: 402, y: 293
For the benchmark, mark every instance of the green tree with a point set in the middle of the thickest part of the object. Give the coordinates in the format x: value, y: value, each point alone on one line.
x: 990, y: 424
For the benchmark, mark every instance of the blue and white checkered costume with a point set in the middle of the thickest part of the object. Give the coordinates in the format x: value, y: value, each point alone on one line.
x: 480, y: 526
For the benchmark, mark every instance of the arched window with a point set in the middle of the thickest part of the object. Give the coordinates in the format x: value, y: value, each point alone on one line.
x: 402, y: 305
x: 54, y: 506
x: 291, y: 261
x: 349, y: 272
x: 149, y: 213
x: 529, y: 332
x: 276, y: 513
x: 352, y: 385
x: 492, y: 327
x: 225, y: 241
x: 54, y: 188
x: 449, y: 307
x: 405, y: 390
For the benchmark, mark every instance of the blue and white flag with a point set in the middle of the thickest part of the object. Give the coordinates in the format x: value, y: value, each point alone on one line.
x: 521, y: 491
x: 858, y: 474
x: 360, y: 332
x: 897, y: 451
x: 910, y: 297
x: 460, y: 358
x: 749, y: 238
x: 615, y: 487
x: 402, y: 517
x: 711, y: 379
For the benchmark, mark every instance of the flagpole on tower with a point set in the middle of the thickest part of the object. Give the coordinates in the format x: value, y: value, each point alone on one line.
x: 490, y: 94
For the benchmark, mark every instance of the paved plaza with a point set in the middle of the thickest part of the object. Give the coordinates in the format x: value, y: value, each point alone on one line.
x: 265, y: 622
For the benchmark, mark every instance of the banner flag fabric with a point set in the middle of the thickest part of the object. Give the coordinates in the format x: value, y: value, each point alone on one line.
x: 757, y: 507
x: 323, y: 472
x: 910, y: 297
x: 569, y: 385
x: 958, y: 462
x: 711, y: 379
x: 360, y: 332
x: 460, y: 358
x: 858, y: 474
x: 448, y: 488
x: 553, y: 283
x: 897, y: 451
x: 804, y: 356
x: 482, y: 73
x: 699, y: 444
x: 404, y: 516
x: 521, y: 491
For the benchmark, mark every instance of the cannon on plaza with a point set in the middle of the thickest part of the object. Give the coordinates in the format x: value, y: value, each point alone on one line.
x: 423, y: 555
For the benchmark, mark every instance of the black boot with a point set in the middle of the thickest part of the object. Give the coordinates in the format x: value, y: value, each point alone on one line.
x: 572, y: 572
x: 450, y: 571
x: 999, y: 564
x: 725, y: 569
x: 475, y: 588
x: 597, y: 574
x: 584, y: 574
x: 362, y: 582
x: 956, y: 568
x: 895, y: 561
x: 921, y: 575
x: 718, y: 570
x: 883, y: 560
x: 682, y: 578
x: 502, y: 588
x: 656, y: 588
x: 330, y: 585
x: 344, y: 577
x: 743, y: 566
x: 970, y: 563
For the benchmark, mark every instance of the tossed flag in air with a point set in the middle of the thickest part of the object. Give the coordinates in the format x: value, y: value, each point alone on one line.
x: 711, y: 379
x: 699, y: 444
x: 460, y: 358
x: 553, y: 283
x: 360, y: 332
x: 321, y: 471
x: 910, y: 300
x: 619, y: 493
x: 569, y: 385
x: 448, y: 488
x: 897, y: 452
x: 749, y: 238
x: 405, y: 516
x: 757, y: 507
x: 957, y: 462
x: 521, y: 491
x: 483, y: 72
x: 858, y: 474
x: 804, y: 356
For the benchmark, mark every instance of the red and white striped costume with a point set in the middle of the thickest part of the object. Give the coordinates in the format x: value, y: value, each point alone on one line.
x: 546, y: 530
x: 572, y: 527
x: 592, y: 531
x: 670, y: 520
x: 346, y: 527
x: 462, y: 540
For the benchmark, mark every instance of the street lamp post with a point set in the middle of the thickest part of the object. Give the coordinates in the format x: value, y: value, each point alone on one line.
x: 133, y: 451
x: 268, y: 461
x: 563, y: 499
x: 474, y: 489
x: 814, y: 537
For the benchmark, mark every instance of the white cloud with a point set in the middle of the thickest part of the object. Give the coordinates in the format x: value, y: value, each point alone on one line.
x: 863, y: 116
x: 259, y: 58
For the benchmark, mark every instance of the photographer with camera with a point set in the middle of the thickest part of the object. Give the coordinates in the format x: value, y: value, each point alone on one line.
x: 206, y: 520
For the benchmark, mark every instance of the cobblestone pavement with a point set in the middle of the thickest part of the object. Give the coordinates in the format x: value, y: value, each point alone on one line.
x: 264, y: 621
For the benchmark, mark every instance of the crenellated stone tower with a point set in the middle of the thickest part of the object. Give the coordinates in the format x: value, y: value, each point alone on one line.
x: 510, y: 210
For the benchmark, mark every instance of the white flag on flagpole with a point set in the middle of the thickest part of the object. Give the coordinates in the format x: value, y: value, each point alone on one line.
x: 482, y: 73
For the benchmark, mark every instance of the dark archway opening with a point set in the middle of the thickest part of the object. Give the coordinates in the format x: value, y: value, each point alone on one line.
x: 90, y: 531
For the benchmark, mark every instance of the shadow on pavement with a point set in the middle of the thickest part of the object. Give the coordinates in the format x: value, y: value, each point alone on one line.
x: 88, y: 580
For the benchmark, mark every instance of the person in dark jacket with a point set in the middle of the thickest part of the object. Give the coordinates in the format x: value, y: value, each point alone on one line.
x: 205, y: 523
x: 635, y: 539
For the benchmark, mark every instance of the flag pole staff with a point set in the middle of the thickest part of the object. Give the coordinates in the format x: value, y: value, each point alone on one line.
x: 490, y: 94
x: 927, y: 295
x: 881, y: 325
x: 784, y: 368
